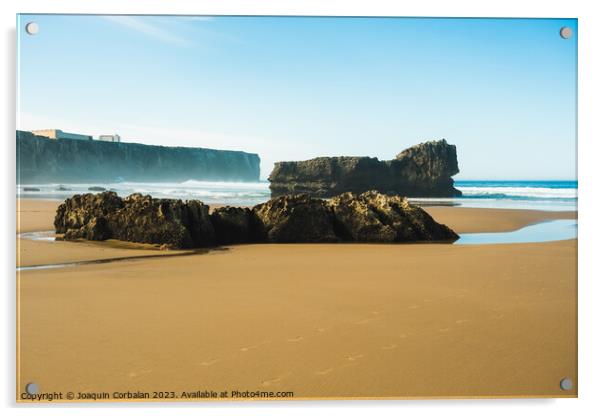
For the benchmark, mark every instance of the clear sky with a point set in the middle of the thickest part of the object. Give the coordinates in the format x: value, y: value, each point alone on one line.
x: 293, y: 88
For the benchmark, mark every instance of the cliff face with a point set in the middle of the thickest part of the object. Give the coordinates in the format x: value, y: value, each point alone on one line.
x: 43, y: 160
x: 424, y: 170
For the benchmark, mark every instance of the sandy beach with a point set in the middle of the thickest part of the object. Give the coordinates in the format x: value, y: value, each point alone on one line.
x: 318, y: 320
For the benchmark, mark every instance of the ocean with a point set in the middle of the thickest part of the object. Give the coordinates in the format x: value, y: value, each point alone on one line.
x: 544, y: 195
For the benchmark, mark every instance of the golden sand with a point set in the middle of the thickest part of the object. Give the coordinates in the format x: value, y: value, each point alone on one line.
x: 38, y: 215
x: 321, y: 321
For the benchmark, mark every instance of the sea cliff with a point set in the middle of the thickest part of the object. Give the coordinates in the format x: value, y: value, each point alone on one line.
x: 44, y: 160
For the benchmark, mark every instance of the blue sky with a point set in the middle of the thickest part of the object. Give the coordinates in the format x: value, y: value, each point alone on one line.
x: 502, y: 90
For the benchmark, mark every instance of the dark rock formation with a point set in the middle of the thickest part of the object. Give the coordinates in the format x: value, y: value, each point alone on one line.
x: 175, y: 223
x: 424, y: 170
x: 235, y: 225
x: 97, y: 189
x: 137, y: 218
x: 76, y: 212
x: 369, y: 217
x: 376, y: 218
x: 427, y: 169
x: 44, y: 160
x: 296, y: 219
x: 97, y: 229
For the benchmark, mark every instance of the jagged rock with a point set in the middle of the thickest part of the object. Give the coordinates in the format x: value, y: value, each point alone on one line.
x: 137, y: 218
x: 357, y: 220
x: 178, y: 224
x: 199, y: 224
x: 72, y: 234
x: 97, y: 189
x: 368, y: 217
x: 78, y: 210
x: 420, y: 171
x: 97, y: 229
x: 427, y: 169
x: 296, y: 219
x: 374, y: 217
x: 234, y: 225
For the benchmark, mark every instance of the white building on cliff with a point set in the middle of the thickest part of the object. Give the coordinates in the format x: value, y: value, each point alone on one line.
x: 110, y: 138
x: 60, y: 134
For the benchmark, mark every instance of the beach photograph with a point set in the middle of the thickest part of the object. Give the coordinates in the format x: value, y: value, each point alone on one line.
x: 295, y: 208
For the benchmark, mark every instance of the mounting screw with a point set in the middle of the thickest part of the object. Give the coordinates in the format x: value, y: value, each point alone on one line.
x: 32, y: 28
x: 566, y: 384
x: 566, y: 32
x: 31, y: 388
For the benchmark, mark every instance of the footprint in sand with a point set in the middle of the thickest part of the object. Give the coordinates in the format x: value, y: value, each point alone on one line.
x: 270, y: 382
x: 321, y: 329
x: 403, y: 335
x: 252, y: 347
x: 353, y: 357
x: 324, y: 372
x: 364, y: 321
x: 444, y: 329
x: 389, y: 347
x: 461, y: 321
x: 209, y: 362
x: 140, y: 373
x: 297, y: 339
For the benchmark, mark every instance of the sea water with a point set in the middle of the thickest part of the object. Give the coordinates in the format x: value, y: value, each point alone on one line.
x: 541, y: 195
x: 544, y: 195
x: 536, y: 233
x: 211, y: 193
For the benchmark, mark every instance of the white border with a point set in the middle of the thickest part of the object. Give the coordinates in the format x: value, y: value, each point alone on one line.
x: 590, y: 276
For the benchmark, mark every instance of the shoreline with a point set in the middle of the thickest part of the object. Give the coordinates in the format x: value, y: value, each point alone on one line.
x: 37, y: 216
x: 473, y: 220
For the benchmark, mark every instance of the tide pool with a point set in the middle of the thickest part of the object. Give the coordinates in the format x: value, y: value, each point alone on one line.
x: 536, y: 233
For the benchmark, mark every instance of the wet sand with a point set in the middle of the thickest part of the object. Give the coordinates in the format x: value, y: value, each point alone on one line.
x: 35, y: 215
x: 322, y: 321
x: 492, y: 220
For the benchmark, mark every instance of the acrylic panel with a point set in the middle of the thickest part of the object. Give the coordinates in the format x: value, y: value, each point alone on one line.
x: 295, y: 208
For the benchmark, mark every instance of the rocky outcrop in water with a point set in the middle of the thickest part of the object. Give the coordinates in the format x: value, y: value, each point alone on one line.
x: 44, y: 160
x: 370, y: 217
x: 424, y: 170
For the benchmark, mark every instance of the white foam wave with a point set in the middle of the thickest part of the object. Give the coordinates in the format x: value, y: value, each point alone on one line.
x: 526, y: 192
